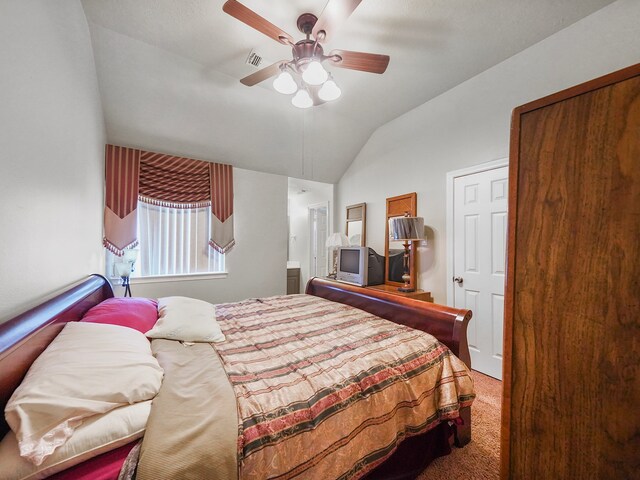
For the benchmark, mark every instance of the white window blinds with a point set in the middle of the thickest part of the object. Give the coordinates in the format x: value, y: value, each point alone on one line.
x: 175, y: 241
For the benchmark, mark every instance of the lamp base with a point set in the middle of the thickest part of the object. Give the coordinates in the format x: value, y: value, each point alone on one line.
x: 406, y: 278
x: 127, y: 286
x: 406, y: 289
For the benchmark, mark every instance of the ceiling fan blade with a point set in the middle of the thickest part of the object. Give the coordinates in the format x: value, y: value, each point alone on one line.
x: 261, y: 75
x: 365, y: 62
x: 251, y: 18
x: 333, y: 16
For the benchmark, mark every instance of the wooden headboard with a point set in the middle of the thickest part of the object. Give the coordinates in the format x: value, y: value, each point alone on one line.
x: 25, y: 337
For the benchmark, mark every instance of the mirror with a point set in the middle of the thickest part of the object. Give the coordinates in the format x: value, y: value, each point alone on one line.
x: 356, y: 229
x: 394, y: 251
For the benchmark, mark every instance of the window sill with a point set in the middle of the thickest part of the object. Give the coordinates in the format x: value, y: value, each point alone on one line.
x: 191, y: 277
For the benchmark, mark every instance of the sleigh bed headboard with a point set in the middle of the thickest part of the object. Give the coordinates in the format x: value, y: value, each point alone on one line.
x: 24, y: 337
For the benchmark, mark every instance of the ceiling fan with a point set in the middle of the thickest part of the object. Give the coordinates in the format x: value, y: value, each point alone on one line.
x: 305, y: 75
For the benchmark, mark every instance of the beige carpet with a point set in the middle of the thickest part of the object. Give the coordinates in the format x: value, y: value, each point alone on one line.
x: 480, y: 459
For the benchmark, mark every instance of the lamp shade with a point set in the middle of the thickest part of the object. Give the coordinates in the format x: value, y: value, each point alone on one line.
x: 284, y: 83
x: 130, y: 255
x: 329, y: 91
x: 406, y: 228
x: 337, y: 240
x: 315, y: 74
x: 302, y: 99
x: 123, y: 269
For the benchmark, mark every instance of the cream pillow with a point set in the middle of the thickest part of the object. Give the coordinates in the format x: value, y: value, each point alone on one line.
x: 88, y: 369
x: 97, y: 435
x: 186, y: 319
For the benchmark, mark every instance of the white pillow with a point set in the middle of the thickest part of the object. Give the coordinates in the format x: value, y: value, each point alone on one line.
x: 97, y: 435
x: 88, y: 369
x: 186, y: 319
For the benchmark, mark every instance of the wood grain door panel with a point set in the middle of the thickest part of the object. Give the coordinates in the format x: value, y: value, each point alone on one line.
x: 572, y: 328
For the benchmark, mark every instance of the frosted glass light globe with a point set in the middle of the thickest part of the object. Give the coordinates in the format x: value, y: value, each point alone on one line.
x: 329, y: 91
x: 302, y: 99
x: 284, y: 83
x: 315, y: 74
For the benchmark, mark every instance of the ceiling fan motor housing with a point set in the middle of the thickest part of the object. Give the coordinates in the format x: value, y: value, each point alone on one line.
x: 304, y: 51
x: 306, y: 22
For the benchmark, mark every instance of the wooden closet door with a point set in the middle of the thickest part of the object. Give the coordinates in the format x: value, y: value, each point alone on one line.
x: 571, y: 405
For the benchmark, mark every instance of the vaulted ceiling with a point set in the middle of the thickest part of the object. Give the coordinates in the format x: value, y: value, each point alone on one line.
x: 169, y: 73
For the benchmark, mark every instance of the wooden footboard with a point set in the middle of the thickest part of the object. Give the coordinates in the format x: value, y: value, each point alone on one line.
x: 447, y: 324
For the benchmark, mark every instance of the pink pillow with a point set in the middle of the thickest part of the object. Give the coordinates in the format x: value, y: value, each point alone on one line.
x: 138, y: 313
x: 106, y: 466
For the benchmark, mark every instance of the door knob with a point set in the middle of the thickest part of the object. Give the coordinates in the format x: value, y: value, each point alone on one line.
x: 458, y: 280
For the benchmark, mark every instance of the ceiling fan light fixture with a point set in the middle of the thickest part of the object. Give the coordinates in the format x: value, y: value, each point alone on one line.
x: 302, y: 99
x: 329, y: 90
x: 284, y: 83
x: 315, y: 74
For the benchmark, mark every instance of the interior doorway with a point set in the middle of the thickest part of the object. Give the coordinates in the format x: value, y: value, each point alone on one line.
x: 318, y: 233
x: 477, y: 200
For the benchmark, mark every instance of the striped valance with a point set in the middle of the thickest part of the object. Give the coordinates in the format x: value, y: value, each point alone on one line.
x: 165, y: 180
x: 174, y: 181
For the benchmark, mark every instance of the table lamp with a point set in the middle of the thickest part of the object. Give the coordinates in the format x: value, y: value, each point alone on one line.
x: 335, y: 241
x: 408, y: 230
x: 124, y: 269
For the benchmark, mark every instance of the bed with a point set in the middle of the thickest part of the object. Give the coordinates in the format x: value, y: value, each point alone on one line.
x: 23, y: 338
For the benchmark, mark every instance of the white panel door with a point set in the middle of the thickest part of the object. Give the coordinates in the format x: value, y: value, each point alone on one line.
x: 479, y: 247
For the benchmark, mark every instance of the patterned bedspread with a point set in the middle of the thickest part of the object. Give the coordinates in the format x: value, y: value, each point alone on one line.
x: 327, y: 391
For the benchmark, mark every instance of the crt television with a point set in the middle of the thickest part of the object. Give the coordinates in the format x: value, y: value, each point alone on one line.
x: 353, y: 265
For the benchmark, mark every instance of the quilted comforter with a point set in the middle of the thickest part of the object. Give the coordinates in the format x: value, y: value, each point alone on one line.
x: 322, y: 390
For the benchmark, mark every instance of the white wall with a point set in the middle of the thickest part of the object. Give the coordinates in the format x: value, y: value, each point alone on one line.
x: 299, y: 202
x: 257, y: 263
x: 469, y: 125
x: 52, y: 139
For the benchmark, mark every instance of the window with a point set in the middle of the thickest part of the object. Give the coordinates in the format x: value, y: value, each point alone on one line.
x: 173, y: 241
x: 142, y: 189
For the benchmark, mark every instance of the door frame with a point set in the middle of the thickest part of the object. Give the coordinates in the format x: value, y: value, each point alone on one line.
x: 451, y: 177
x: 325, y: 204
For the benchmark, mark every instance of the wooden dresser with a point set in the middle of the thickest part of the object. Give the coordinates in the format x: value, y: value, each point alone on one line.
x: 571, y: 402
x: 392, y: 289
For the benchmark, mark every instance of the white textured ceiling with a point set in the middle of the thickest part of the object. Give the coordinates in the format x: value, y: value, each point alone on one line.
x: 169, y: 73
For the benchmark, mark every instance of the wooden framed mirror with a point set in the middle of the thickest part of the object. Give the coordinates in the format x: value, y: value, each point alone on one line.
x: 356, y: 229
x: 394, y: 251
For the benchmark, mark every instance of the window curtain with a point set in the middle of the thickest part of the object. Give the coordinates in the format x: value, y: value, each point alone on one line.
x: 221, y: 207
x: 167, y: 181
x: 122, y: 169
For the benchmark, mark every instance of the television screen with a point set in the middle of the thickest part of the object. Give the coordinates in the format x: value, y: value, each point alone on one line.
x: 350, y: 261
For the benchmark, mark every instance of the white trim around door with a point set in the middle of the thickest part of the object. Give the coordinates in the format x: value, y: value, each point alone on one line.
x: 315, y: 206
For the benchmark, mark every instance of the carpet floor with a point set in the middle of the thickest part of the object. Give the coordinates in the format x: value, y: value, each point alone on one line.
x: 480, y: 459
